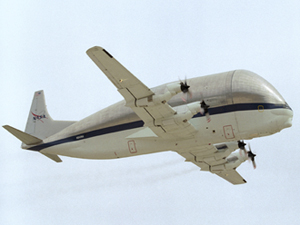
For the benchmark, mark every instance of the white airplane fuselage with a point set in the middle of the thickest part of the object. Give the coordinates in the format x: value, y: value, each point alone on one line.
x: 243, y: 106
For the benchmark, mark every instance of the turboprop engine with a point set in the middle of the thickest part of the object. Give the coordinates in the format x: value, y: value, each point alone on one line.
x: 234, y: 160
x: 172, y: 90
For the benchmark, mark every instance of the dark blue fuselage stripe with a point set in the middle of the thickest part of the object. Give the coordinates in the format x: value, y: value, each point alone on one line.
x: 244, y: 107
x: 140, y: 123
x: 90, y: 134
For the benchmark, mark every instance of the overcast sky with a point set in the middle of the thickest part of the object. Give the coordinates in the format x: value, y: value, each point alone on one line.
x: 43, y: 46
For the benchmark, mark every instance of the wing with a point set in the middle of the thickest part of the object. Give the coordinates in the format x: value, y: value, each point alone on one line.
x: 159, y: 116
x: 217, y: 159
x: 232, y: 176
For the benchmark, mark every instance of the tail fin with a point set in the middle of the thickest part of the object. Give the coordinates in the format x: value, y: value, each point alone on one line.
x: 39, y: 123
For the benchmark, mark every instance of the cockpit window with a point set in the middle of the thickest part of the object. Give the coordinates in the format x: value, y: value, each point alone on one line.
x: 248, y: 87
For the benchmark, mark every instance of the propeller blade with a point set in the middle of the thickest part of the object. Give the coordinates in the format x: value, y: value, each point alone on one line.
x: 254, y: 164
x: 251, y: 156
x: 183, y: 99
x: 242, y: 145
x: 184, y: 86
x: 207, y: 117
x: 204, y: 106
x: 204, y: 110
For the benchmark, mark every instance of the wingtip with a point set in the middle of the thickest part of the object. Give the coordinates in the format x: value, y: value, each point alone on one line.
x: 90, y: 51
x: 95, y: 48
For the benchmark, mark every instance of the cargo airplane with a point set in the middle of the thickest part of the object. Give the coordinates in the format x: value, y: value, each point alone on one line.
x: 204, y: 119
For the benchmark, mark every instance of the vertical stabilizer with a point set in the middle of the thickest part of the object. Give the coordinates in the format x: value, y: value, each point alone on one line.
x: 39, y: 123
x: 38, y: 117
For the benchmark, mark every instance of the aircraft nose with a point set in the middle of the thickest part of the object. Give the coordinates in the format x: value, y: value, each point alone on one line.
x: 288, y: 123
x: 284, y: 118
x: 289, y: 118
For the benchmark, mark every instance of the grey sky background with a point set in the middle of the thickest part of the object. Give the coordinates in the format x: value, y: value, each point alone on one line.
x: 43, y: 46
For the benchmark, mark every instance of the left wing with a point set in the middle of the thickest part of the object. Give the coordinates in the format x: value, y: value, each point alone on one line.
x: 232, y: 176
x: 218, y: 159
x: 154, y: 110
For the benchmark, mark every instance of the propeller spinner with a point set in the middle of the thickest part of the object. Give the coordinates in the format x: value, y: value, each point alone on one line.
x: 184, y: 86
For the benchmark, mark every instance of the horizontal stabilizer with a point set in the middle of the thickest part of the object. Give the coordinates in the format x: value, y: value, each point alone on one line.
x: 53, y: 157
x: 22, y: 136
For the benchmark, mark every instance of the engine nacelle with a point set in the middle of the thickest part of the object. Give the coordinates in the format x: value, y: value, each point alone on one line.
x: 193, y: 109
x: 232, y: 162
x: 172, y: 90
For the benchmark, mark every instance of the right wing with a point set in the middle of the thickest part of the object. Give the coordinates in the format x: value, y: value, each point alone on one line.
x: 159, y: 116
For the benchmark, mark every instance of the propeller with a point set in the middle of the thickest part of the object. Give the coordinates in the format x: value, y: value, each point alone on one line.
x: 203, y: 106
x: 242, y: 145
x: 250, y: 154
x: 184, y: 87
x: 204, y: 110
